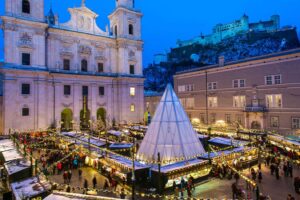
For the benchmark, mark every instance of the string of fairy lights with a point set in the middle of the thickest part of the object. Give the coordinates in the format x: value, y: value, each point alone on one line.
x: 146, y: 195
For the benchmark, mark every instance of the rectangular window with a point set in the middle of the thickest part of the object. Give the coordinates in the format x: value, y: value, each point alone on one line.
x: 239, y: 101
x: 212, y: 86
x: 296, y: 123
x: 25, y: 58
x: 25, y: 89
x: 273, y: 79
x: 228, y: 118
x: 239, y: 83
x: 101, y: 91
x: 132, y: 91
x: 277, y: 79
x: 67, y: 89
x: 25, y: 112
x: 190, y: 87
x: 235, y: 83
x: 85, y: 90
x: 190, y: 102
x: 66, y: 64
x: 202, y: 118
x: 274, y: 122
x: 212, y: 102
x: 132, y: 108
x: 181, y: 88
x: 274, y: 101
x: 131, y: 70
x: 239, y: 119
x: 212, y: 118
x: 100, y: 67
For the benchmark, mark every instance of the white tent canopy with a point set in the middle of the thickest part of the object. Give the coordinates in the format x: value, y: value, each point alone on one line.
x: 170, y: 133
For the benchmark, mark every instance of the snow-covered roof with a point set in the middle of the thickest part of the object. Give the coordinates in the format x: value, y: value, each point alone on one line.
x: 227, y: 141
x: 115, y: 133
x: 11, y: 155
x: 179, y: 165
x: 220, y: 153
x: 120, y: 145
x: 57, y: 195
x: 93, y: 140
x: 16, y: 166
x: 30, y: 187
x: 126, y: 162
x: 170, y: 133
x: 6, y: 144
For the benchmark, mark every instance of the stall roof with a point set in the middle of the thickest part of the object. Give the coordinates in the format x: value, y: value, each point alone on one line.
x: 70, y: 134
x: 115, y: 133
x: 11, y: 155
x: 219, y: 153
x: 6, y: 144
x: 201, y: 136
x: 227, y: 141
x: 127, y: 162
x: 16, y: 166
x: 75, y: 196
x: 121, y: 145
x: 179, y: 165
x: 283, y: 139
x: 95, y: 141
x: 29, y: 188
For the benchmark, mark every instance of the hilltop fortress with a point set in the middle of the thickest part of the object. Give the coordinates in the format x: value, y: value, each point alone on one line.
x: 223, y: 31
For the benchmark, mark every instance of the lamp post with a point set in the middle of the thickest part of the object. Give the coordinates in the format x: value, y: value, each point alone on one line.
x: 159, y: 173
x: 133, y: 169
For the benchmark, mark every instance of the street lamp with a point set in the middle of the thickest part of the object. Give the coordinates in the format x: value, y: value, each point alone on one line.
x: 133, y: 169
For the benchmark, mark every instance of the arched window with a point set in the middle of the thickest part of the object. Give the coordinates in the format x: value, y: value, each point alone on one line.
x: 26, y: 6
x: 84, y: 65
x: 116, y: 30
x: 25, y: 111
x: 130, y: 29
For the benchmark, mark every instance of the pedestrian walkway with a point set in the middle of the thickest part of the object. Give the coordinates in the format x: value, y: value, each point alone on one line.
x: 77, y: 183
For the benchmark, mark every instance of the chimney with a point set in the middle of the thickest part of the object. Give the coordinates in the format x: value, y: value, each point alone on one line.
x: 221, y: 61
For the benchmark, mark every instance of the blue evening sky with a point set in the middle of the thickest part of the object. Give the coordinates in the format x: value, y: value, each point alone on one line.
x: 165, y: 21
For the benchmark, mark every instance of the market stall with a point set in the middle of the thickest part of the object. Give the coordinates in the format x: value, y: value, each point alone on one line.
x: 197, y: 168
x: 239, y: 157
x: 17, y: 170
x: 225, y: 142
x: 120, y: 167
x: 31, y: 188
x: 10, y: 155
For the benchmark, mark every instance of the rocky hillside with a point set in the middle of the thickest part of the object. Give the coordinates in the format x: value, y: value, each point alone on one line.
x: 233, y: 49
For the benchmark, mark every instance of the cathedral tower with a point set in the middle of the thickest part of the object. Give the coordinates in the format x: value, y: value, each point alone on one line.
x: 32, y: 9
x: 125, y: 23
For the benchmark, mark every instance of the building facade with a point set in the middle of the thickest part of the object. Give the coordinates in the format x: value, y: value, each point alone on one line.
x: 260, y: 93
x: 70, y: 74
x: 242, y: 25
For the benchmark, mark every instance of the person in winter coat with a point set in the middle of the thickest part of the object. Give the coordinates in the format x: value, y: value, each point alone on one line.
x: 65, y: 176
x: 94, y: 182
x: 259, y: 176
x: 80, y: 173
x: 69, y: 176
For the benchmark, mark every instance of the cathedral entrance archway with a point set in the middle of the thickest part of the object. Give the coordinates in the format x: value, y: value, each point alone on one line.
x: 256, y: 125
x: 66, y: 119
x: 85, y: 116
x: 101, y: 114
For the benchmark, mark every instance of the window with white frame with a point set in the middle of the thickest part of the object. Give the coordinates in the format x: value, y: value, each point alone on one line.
x: 188, y: 102
x: 239, y: 101
x: 132, y: 91
x: 239, y: 83
x: 189, y: 87
x: 273, y: 79
x: 181, y: 88
x: 296, y: 123
x: 274, y: 122
x: 212, y: 102
x: 228, y: 118
x: 212, y: 86
x: 132, y: 107
x: 274, y: 101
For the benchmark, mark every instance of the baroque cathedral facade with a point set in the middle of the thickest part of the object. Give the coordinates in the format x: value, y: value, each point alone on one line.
x: 69, y: 75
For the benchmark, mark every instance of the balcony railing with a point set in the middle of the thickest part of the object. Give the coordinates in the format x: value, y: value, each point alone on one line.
x: 255, y: 109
